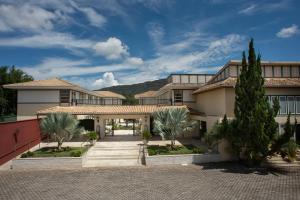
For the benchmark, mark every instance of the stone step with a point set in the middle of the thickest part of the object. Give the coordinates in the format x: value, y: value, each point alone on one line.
x: 110, y: 162
x: 113, y: 157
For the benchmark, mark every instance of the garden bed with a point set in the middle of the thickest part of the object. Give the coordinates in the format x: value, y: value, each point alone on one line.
x: 167, y: 150
x: 53, y: 152
x: 185, y: 154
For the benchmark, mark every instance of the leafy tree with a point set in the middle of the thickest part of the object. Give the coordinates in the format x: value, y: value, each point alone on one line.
x: 61, y: 126
x: 255, y: 126
x: 8, y: 98
x: 172, y: 122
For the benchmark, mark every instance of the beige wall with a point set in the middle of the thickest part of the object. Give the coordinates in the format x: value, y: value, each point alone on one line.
x: 28, y: 111
x: 38, y: 96
x: 212, y: 103
x: 216, y: 103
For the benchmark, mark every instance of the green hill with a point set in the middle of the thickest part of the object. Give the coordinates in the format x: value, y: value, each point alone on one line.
x: 130, y: 90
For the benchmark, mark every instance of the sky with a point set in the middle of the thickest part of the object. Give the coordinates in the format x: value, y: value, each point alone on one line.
x: 101, y: 43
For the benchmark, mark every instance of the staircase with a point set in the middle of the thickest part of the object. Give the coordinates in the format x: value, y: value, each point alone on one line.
x: 104, y: 154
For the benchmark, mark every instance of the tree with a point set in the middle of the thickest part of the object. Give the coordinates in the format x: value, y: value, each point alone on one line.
x: 255, y: 126
x: 172, y: 122
x: 60, y: 126
x: 283, y: 139
x: 8, y: 98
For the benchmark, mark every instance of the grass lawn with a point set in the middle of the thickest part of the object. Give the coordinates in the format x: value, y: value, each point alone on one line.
x: 52, y: 152
x: 166, y: 150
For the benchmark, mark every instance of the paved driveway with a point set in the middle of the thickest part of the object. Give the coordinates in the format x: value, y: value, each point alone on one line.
x: 218, y: 181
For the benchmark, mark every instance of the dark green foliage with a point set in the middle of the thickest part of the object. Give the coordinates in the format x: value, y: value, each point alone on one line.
x: 168, y: 150
x: 289, y: 130
x: 254, y: 126
x: 92, y: 135
x: 130, y: 100
x: 75, y: 153
x: 8, y: 98
x: 27, y: 154
x: 289, y: 150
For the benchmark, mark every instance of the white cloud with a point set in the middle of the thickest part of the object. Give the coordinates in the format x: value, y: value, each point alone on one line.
x: 134, y: 61
x: 94, y: 18
x: 48, y: 40
x: 288, y: 31
x: 156, y: 32
x: 111, y: 49
x: 26, y: 17
x: 248, y: 10
x: 107, y: 80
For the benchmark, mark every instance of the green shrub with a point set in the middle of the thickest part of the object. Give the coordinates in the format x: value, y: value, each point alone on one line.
x: 27, y: 154
x: 75, y: 153
x: 92, y: 135
x: 146, y: 135
x: 199, y: 150
x: 289, y: 150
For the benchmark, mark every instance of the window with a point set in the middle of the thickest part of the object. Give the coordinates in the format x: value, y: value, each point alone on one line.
x: 286, y: 71
x: 64, y: 96
x: 277, y: 71
x: 177, y: 96
x: 291, y: 104
x: 282, y: 103
x: 297, y: 102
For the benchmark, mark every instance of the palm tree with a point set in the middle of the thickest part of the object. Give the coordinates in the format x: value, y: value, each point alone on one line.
x: 61, y: 126
x: 172, y: 122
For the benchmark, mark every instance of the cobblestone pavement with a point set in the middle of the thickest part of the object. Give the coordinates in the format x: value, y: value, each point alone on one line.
x: 214, y: 181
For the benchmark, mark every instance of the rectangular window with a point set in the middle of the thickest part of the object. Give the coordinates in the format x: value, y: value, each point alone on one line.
x: 283, y: 106
x: 178, y: 96
x: 291, y: 104
x: 268, y: 71
x: 297, y: 102
x: 286, y: 71
x: 295, y: 71
x: 64, y: 96
x: 277, y: 71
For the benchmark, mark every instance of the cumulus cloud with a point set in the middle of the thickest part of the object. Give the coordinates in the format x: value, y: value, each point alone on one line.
x: 26, y: 17
x: 288, y: 31
x: 107, y: 80
x: 111, y: 49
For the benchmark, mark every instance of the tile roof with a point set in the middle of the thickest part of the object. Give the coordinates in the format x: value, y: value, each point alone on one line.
x: 110, y: 94
x: 107, y: 110
x: 148, y: 94
x: 269, y: 83
x: 54, y: 83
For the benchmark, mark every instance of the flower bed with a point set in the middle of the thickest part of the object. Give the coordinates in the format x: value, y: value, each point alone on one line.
x: 167, y: 150
x: 53, y: 152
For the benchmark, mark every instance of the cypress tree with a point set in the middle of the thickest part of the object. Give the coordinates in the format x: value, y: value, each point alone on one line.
x: 254, y: 116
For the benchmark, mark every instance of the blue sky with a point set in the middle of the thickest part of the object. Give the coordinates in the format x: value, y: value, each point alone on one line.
x: 108, y: 42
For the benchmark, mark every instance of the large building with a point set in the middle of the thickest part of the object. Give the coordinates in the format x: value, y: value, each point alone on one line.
x: 214, y: 98
x: 42, y: 94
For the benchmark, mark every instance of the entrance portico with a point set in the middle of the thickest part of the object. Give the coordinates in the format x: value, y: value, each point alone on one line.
x: 140, y: 113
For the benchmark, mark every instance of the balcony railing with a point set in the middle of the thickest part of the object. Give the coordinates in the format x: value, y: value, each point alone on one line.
x: 111, y: 101
x: 151, y: 101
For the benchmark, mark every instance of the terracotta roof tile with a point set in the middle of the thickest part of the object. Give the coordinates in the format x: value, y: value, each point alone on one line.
x: 148, y: 94
x: 108, y: 110
x: 110, y: 94
x: 269, y: 83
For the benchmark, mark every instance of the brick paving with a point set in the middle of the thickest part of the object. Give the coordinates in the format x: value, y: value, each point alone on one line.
x: 213, y: 181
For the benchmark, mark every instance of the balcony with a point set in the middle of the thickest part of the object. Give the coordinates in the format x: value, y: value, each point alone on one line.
x: 153, y: 101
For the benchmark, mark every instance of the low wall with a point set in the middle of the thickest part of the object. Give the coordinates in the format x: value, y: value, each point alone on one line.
x: 18, y: 137
x: 183, y: 159
x: 48, y: 163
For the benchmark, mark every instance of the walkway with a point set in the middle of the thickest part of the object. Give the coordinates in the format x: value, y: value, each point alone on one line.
x: 122, y: 149
x: 214, y: 181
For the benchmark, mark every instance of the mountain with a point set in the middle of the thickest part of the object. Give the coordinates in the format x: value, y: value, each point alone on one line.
x: 130, y: 90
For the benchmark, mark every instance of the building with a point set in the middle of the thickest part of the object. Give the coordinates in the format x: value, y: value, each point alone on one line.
x: 217, y: 97
x: 42, y: 94
x: 178, y: 90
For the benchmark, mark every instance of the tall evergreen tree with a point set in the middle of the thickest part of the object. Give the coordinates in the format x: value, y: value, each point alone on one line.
x: 254, y: 116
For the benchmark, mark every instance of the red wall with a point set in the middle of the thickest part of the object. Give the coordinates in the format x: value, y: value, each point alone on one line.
x: 17, y: 137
